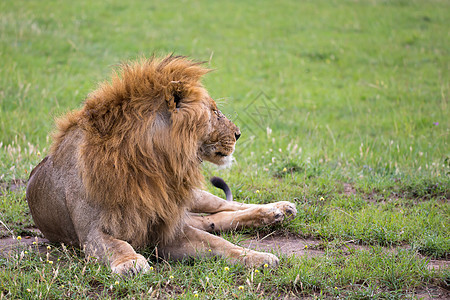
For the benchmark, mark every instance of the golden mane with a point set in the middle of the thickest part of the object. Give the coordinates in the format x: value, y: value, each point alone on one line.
x: 124, y: 172
x: 138, y: 158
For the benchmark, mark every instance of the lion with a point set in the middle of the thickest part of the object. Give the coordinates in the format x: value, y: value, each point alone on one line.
x: 124, y: 172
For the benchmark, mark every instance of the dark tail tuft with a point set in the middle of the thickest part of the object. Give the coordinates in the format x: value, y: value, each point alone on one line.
x: 221, y: 184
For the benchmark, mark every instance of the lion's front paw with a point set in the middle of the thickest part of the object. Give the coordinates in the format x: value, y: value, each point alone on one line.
x: 287, y: 208
x: 254, y: 259
x: 276, y: 212
x: 130, y: 265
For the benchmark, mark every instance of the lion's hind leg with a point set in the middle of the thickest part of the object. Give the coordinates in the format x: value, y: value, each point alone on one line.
x: 193, y: 242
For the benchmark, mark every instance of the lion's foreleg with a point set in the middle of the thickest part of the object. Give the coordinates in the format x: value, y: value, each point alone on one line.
x: 120, y: 256
x: 205, y: 202
x: 255, y: 216
x: 198, y: 243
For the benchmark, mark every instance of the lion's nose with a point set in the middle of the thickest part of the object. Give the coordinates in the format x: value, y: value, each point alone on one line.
x: 237, y: 135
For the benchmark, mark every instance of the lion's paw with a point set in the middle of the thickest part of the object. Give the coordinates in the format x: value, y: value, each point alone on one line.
x: 287, y: 208
x: 130, y: 265
x: 277, y: 212
x: 254, y: 259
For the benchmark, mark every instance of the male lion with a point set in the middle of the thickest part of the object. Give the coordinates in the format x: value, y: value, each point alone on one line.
x: 124, y: 171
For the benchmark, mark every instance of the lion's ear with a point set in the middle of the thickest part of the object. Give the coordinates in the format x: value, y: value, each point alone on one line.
x: 174, y: 96
x: 177, y: 99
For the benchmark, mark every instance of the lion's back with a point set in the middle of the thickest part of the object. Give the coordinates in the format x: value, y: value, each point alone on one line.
x: 52, y: 183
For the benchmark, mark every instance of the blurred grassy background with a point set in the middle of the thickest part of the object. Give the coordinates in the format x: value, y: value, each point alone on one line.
x: 350, y: 76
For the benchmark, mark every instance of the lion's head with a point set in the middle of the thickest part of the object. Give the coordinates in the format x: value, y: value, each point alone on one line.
x: 167, y: 101
x: 218, y: 144
x: 144, y: 135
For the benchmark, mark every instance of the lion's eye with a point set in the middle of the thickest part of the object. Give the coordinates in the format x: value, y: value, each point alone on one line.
x: 218, y: 113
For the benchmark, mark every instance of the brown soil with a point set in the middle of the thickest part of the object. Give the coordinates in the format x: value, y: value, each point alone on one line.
x: 13, y: 185
x: 10, y: 244
x: 349, y: 189
x: 284, y: 245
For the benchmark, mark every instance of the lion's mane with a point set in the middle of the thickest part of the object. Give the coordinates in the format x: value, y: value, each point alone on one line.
x: 137, y: 149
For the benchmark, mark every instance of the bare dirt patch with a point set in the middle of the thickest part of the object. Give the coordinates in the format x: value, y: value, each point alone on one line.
x: 438, y: 264
x: 349, y: 189
x: 285, y: 245
x: 10, y: 244
x: 13, y: 185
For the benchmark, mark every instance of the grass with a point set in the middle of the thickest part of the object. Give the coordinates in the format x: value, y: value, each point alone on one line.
x: 362, y: 273
x: 343, y: 106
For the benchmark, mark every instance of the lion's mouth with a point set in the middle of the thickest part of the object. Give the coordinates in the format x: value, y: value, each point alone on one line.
x: 221, y: 154
x: 216, y: 155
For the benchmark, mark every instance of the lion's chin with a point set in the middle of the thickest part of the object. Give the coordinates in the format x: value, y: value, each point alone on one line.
x: 226, y: 162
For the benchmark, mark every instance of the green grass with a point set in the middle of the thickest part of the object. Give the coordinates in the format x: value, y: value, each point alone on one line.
x: 328, y: 95
x: 358, y: 274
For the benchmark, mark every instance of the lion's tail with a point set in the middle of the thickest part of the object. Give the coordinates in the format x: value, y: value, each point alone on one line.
x: 221, y: 184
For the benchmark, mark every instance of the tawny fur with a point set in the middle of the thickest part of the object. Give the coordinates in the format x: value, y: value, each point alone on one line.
x: 124, y: 172
x: 139, y: 169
